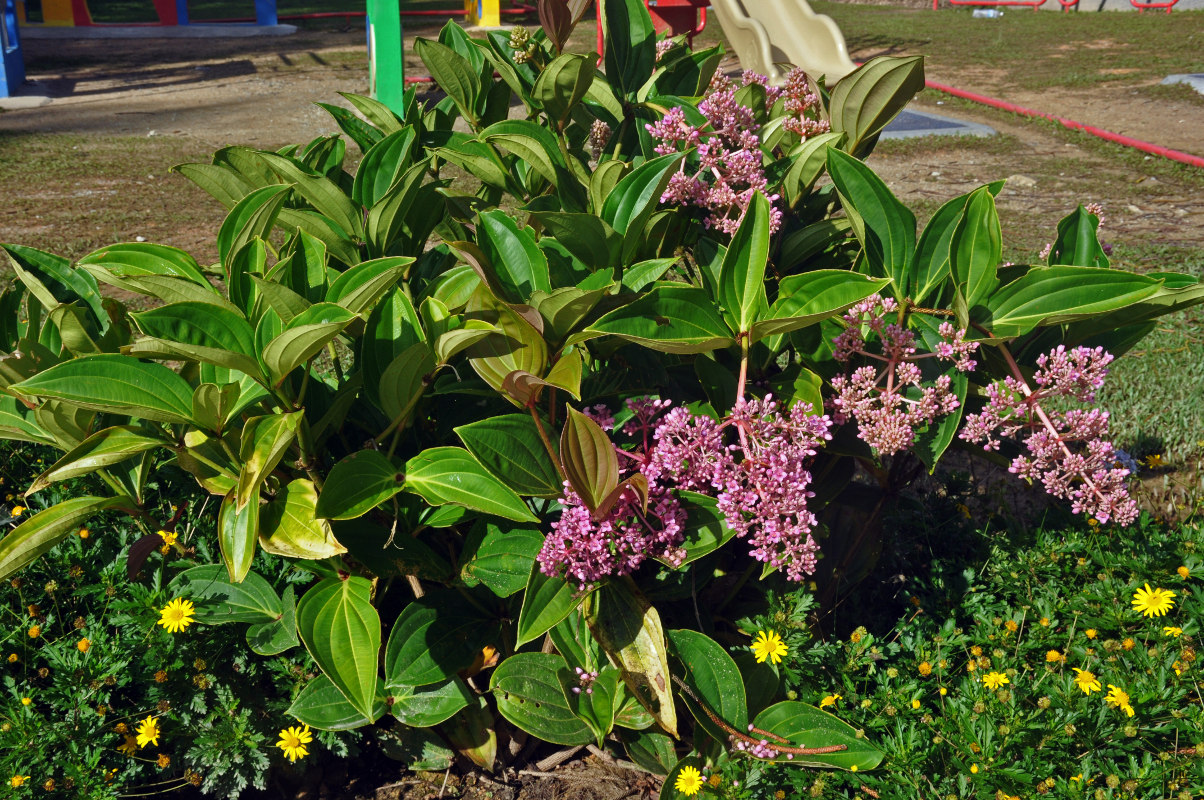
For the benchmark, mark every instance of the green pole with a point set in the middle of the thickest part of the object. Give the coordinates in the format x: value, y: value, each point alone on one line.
x: 386, y: 66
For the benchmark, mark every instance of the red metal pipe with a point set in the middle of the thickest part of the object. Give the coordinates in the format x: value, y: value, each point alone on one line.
x: 1127, y: 141
x: 519, y: 8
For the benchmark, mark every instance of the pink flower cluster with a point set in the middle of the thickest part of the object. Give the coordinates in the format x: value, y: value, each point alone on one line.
x: 586, y: 547
x: 1066, y: 450
x: 761, y: 486
x: 763, y: 493
x: 889, y: 401
x: 729, y: 168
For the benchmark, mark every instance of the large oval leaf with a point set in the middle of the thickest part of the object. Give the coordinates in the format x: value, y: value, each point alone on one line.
x: 813, y: 297
x: 503, y: 559
x: 509, y: 447
x: 1055, y: 295
x: 357, y: 484
x: 451, y: 475
x: 288, y: 526
x: 219, y: 600
x: 530, y: 694
x: 425, y: 706
x: 341, y: 630
x: 547, y: 601
x: 321, y: 705
x: 712, y: 675
x: 435, y: 637
x: 237, y: 530
x: 806, y: 726
x: 116, y: 385
x: 671, y: 319
x: 103, y: 448
x: 35, y: 536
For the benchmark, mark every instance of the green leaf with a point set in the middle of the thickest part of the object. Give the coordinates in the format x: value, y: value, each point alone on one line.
x: 671, y: 318
x: 251, y: 218
x: 382, y: 165
x: 219, y: 600
x: 509, y: 447
x: 114, y: 384
x: 102, y: 449
x: 454, y: 74
x: 631, y: 203
x: 597, y: 706
x: 885, y: 227
x: 712, y: 674
x: 588, y: 458
x: 562, y: 84
x: 530, y: 695
x: 806, y: 726
x: 52, y: 280
x: 132, y: 259
x: 504, y: 558
x: 425, y: 706
x: 435, y: 637
x: 288, y: 525
x: 221, y: 182
x: 1058, y: 295
x: 547, y: 601
x: 303, y: 338
x: 199, y: 331
x: 705, y: 530
x: 274, y: 638
x: 533, y: 144
x: 360, y: 287
x: 1077, y: 244
x: 518, y: 264
x: 341, y: 630
x: 808, y: 160
x: 630, y: 52
x: 976, y: 248
x: 319, y: 191
x: 358, y: 484
x: 652, y: 750
x: 264, y: 442
x: 629, y: 630
x: 516, y: 346
x: 34, y: 537
x: 404, y: 381
x: 336, y: 240
x: 812, y: 297
x: 742, y: 274
x: 321, y: 705
x: 866, y: 100
x: 237, y: 530
x: 442, y: 475
x: 375, y: 112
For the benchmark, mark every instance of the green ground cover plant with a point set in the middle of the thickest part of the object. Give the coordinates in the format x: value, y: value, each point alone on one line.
x: 513, y: 433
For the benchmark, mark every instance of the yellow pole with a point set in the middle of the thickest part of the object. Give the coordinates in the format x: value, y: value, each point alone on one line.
x: 58, y: 13
x: 483, y: 13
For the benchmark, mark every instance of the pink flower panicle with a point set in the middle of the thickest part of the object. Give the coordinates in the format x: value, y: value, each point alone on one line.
x: 1068, y: 452
x: 599, y: 137
x: 765, y: 497
x: 761, y: 487
x: 729, y: 169
x: 587, y: 550
x: 757, y: 749
x: 889, y: 402
x: 663, y: 46
x: 803, y: 106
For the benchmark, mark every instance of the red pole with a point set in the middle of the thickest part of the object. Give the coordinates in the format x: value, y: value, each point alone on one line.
x: 1127, y: 141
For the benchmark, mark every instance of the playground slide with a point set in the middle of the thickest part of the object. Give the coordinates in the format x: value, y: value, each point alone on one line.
x: 767, y: 33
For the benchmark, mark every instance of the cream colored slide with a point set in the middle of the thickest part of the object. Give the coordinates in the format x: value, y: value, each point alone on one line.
x: 769, y: 33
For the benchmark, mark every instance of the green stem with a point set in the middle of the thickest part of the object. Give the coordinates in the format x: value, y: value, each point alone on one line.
x: 547, y: 442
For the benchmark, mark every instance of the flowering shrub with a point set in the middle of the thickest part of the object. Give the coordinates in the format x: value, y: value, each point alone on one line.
x: 509, y: 430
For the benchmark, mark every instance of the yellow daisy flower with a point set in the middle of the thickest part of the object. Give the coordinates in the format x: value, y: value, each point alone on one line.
x: 1053, y: 656
x: 1171, y: 630
x: 25, y: 701
x: 1153, y: 602
x: 1118, y: 698
x: 993, y: 680
x: 177, y: 615
x: 148, y: 732
x: 129, y: 746
x: 17, y: 781
x: 1086, y: 681
x: 768, y: 645
x: 830, y: 700
x: 293, y: 741
x: 1184, y: 572
x: 689, y: 781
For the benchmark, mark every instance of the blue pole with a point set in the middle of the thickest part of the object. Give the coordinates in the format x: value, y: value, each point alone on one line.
x: 181, y: 12
x: 12, y: 65
x: 265, y: 12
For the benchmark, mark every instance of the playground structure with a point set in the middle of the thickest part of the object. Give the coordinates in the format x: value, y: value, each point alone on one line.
x: 76, y: 13
x: 12, y: 66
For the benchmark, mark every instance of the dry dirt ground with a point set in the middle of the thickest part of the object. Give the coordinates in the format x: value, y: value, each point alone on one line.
x: 92, y: 167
